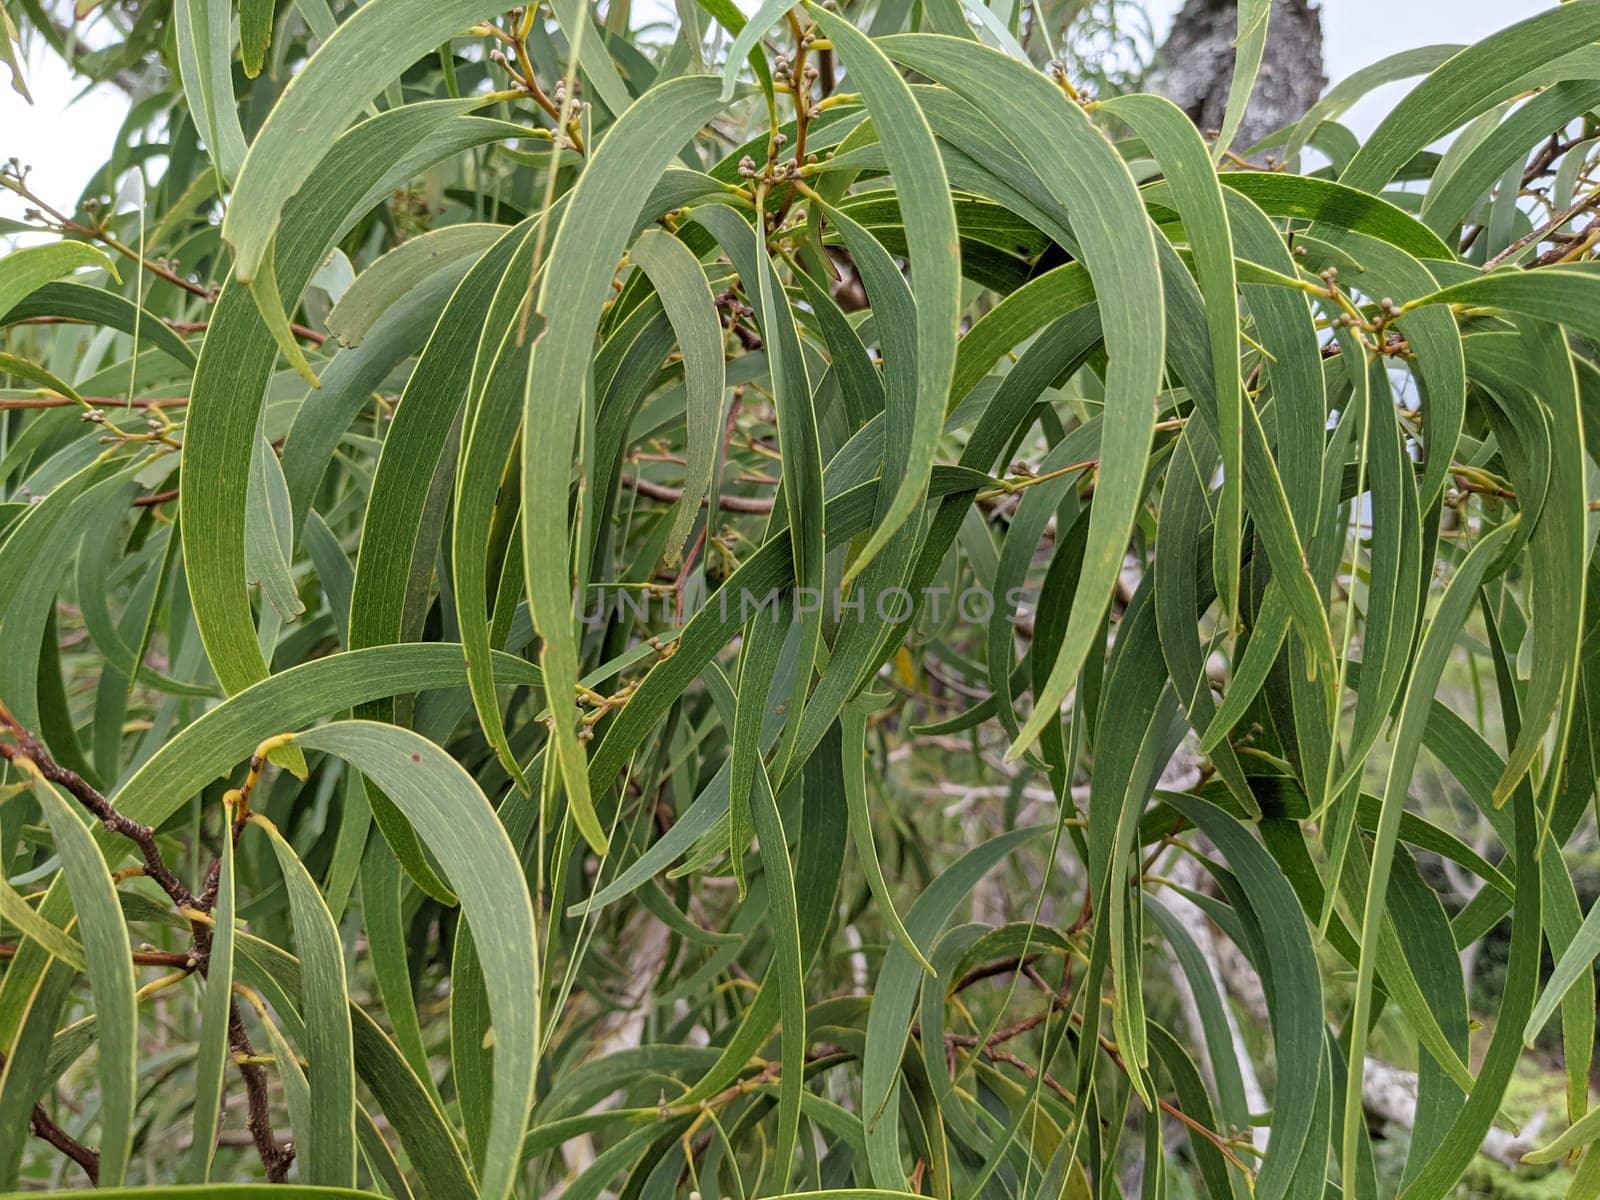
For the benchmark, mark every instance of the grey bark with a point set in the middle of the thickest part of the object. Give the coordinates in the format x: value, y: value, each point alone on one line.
x: 1194, y: 67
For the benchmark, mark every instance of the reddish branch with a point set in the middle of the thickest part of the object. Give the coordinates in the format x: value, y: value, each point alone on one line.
x: 300, y: 331
x: 275, y: 1156
x: 143, y: 958
x: 24, y: 747
x: 660, y: 491
x: 1000, y: 966
x: 30, y: 748
x: 47, y: 1130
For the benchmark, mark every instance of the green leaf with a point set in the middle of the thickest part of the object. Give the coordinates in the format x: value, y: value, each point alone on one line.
x: 1468, y: 83
x: 25, y: 271
x: 269, y: 537
x: 255, y: 34
x: 9, y: 44
x: 1441, y: 634
x: 854, y: 724
x: 747, y: 41
x: 680, y: 281
x: 1198, y: 196
x: 405, y: 267
x: 216, y: 1005
x: 324, y: 96
x: 930, y: 225
x: 1323, y: 200
x: 237, y: 357
x: 1248, y: 49
x: 19, y: 914
x: 110, y: 971
x: 1085, y: 175
x: 455, y: 822
x: 576, y: 281
x: 327, y: 1147
x: 205, y: 63
x: 100, y: 307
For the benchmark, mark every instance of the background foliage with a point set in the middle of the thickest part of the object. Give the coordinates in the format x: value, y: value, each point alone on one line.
x: 400, y: 793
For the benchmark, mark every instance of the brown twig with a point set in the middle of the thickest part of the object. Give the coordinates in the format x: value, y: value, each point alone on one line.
x: 801, y: 75
x: 143, y: 958
x: 1538, y: 235
x: 995, y: 1054
x: 14, y: 181
x: 1000, y: 1036
x: 30, y: 754
x: 28, y: 750
x: 276, y: 1157
x: 1000, y: 966
x: 660, y: 491
x: 523, y: 75
x: 1553, y: 149
x: 1177, y: 1114
x: 681, y: 580
x: 300, y: 331
x: 47, y: 1130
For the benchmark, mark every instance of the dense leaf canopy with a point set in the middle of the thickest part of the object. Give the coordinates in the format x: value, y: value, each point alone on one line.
x: 810, y: 604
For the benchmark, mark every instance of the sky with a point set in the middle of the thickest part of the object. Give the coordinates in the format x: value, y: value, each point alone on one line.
x: 66, y: 133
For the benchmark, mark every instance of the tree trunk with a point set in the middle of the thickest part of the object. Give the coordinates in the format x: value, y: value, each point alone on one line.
x: 1194, y: 67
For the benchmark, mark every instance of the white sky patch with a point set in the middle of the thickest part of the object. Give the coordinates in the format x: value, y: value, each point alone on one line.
x: 65, y: 135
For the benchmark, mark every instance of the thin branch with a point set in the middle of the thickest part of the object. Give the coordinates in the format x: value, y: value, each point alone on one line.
x: 31, y: 755
x: 276, y: 1157
x: 300, y: 331
x: 1544, y: 231
x: 660, y: 491
x: 47, y: 1130
x: 28, y: 750
x: 143, y: 958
